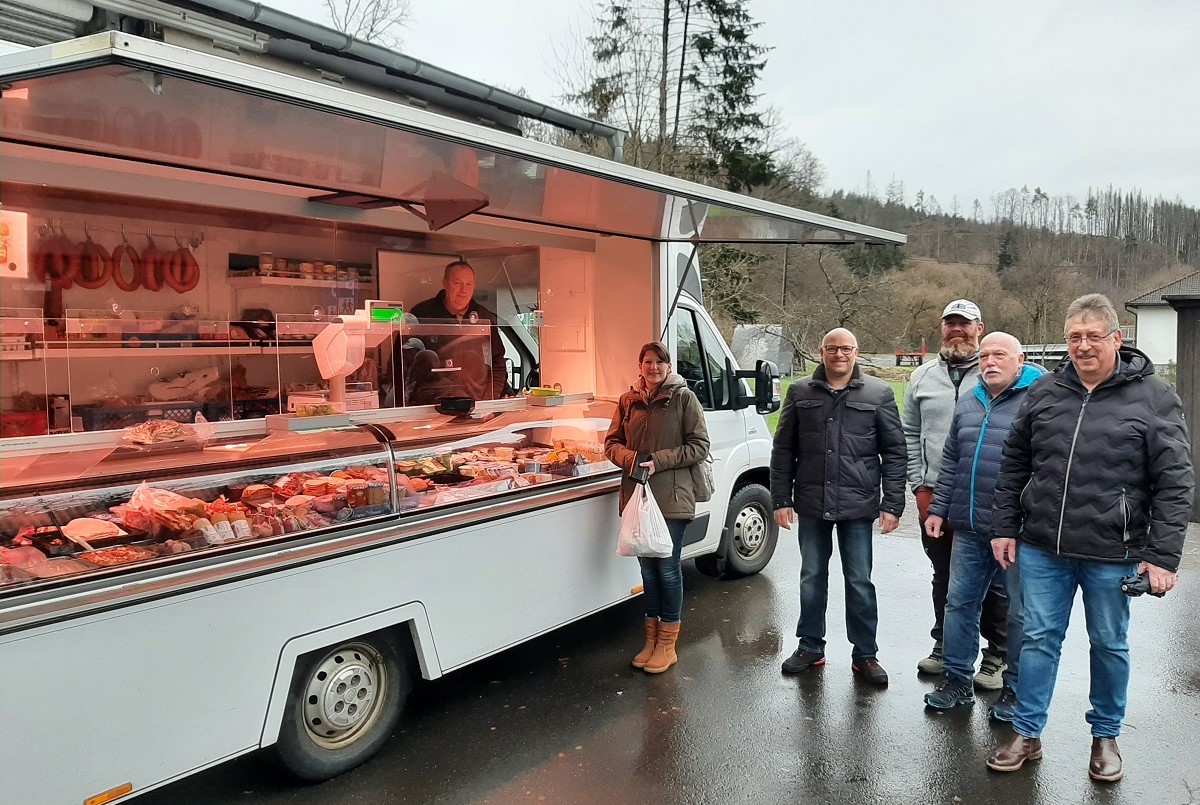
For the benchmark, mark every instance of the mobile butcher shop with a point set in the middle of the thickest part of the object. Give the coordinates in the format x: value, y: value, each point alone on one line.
x: 244, y: 487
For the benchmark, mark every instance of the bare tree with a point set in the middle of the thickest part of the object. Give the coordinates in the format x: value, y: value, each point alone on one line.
x: 377, y: 21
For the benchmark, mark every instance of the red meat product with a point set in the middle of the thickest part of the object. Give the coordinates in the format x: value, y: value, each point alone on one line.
x: 95, y: 265
x: 293, y: 483
x: 122, y: 252
x: 181, y: 271
x: 152, y: 266
x: 72, y: 258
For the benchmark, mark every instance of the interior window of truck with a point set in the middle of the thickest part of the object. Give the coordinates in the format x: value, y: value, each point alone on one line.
x: 700, y: 360
x: 714, y: 364
x: 688, y: 360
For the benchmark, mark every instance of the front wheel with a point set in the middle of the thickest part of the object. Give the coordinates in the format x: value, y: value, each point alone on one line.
x: 750, y: 531
x: 343, y: 705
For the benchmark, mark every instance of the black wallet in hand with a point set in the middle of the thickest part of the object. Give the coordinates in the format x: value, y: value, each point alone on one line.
x: 640, y: 474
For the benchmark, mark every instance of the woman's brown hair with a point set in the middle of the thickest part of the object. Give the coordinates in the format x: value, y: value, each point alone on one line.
x: 658, y: 348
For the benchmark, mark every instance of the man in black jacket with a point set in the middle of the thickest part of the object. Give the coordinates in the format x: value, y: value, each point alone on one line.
x: 1096, y: 484
x: 839, y: 438
x: 477, y: 359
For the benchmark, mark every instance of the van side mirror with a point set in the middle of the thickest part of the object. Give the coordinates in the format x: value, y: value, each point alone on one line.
x: 765, y: 375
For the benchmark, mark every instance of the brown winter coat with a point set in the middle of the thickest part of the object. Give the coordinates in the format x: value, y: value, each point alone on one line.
x: 670, y: 427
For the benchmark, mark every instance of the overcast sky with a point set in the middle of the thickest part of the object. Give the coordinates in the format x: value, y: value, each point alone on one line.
x: 956, y: 97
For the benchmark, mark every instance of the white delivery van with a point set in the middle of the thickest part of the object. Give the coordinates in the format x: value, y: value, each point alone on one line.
x: 179, y: 223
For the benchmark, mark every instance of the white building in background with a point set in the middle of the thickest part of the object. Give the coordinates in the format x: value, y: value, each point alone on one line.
x: 1157, y: 321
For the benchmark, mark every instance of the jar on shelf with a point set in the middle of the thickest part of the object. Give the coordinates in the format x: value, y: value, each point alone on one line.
x: 266, y: 264
x: 356, y: 494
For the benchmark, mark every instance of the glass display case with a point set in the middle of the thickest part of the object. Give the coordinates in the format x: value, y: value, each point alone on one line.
x: 108, y: 507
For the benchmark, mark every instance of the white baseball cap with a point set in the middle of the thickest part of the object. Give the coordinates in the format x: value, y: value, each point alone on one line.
x: 965, y: 308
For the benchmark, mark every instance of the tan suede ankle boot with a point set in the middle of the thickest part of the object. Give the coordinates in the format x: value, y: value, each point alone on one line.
x: 643, y: 656
x: 664, y: 650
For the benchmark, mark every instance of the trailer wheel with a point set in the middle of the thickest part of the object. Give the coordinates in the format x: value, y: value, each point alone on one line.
x: 750, y: 531
x: 343, y: 705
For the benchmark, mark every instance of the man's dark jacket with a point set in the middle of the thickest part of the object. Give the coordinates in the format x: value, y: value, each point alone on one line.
x: 1104, y: 475
x: 833, y: 450
x: 966, y: 482
x: 433, y: 311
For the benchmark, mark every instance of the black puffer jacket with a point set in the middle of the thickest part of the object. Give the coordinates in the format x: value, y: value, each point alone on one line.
x: 1104, y: 475
x: 833, y: 450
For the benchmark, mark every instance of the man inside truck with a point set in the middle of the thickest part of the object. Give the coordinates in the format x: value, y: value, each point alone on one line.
x: 477, y: 359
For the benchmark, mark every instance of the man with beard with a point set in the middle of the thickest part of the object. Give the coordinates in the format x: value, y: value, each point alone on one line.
x: 933, y: 392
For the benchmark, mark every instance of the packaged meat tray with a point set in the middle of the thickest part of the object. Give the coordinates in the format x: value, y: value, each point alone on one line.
x: 121, y: 555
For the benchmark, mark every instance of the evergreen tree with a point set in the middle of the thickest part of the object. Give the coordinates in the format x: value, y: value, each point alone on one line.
x: 729, y: 128
x: 1006, y: 255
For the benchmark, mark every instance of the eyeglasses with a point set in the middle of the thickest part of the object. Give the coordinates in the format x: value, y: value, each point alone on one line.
x: 833, y: 349
x: 1075, y: 339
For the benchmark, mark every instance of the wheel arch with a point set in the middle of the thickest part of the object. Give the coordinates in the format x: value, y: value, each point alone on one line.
x: 408, y: 623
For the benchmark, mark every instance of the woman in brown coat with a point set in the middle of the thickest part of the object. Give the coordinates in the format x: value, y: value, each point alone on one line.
x: 660, y: 416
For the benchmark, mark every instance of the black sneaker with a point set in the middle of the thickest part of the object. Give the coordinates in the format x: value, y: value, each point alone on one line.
x: 802, y: 660
x: 870, y: 670
x: 952, y: 693
x: 1005, y: 706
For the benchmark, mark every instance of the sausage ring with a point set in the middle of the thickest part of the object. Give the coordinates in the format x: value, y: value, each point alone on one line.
x: 67, y: 265
x: 47, y: 262
x: 122, y: 251
x: 187, y: 271
x: 152, y: 267
x: 95, y: 265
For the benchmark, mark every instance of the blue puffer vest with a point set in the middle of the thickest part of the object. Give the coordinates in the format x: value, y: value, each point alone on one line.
x: 972, y: 455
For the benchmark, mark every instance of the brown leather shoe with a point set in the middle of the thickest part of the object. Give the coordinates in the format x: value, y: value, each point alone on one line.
x: 1105, y: 765
x: 1012, y: 754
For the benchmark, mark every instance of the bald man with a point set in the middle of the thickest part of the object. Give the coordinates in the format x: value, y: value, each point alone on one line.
x: 962, y: 499
x: 838, y: 444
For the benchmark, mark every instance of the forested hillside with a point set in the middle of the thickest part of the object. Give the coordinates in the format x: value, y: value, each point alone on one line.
x: 680, y: 76
x: 1023, y: 259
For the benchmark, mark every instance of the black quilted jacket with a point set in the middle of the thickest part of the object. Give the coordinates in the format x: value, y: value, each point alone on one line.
x: 839, y: 455
x: 1106, y: 475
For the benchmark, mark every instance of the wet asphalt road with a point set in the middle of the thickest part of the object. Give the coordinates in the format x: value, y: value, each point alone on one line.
x: 564, y: 719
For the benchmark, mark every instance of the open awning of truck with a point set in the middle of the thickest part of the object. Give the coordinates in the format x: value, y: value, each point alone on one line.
x: 117, y: 95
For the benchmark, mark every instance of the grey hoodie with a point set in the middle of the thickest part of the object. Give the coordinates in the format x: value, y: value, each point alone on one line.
x: 928, y: 411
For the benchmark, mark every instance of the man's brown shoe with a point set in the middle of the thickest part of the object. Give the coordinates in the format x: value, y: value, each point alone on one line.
x: 1105, y: 765
x: 1012, y: 754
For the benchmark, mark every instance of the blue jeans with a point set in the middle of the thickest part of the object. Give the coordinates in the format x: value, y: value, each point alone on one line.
x: 973, y: 569
x: 1049, y: 583
x: 862, y: 610
x: 662, y: 579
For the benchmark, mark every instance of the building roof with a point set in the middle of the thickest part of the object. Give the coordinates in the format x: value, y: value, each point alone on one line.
x: 1188, y: 286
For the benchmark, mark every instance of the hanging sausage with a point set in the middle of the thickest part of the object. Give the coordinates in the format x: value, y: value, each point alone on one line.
x: 123, y: 252
x: 95, y: 264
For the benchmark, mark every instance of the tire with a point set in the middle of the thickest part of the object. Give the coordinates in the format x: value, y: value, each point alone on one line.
x: 323, y: 734
x: 750, y: 531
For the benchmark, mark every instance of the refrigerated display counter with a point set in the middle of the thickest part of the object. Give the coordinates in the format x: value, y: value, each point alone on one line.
x: 96, y: 510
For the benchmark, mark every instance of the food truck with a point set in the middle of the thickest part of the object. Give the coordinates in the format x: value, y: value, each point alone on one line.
x: 222, y: 528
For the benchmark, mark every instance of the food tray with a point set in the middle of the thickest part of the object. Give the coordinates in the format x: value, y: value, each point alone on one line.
x: 158, y: 448
x: 12, y: 575
x: 96, y: 417
x: 113, y: 557
x: 56, y: 567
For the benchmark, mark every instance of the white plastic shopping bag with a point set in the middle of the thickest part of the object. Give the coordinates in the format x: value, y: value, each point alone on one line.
x: 643, y: 527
